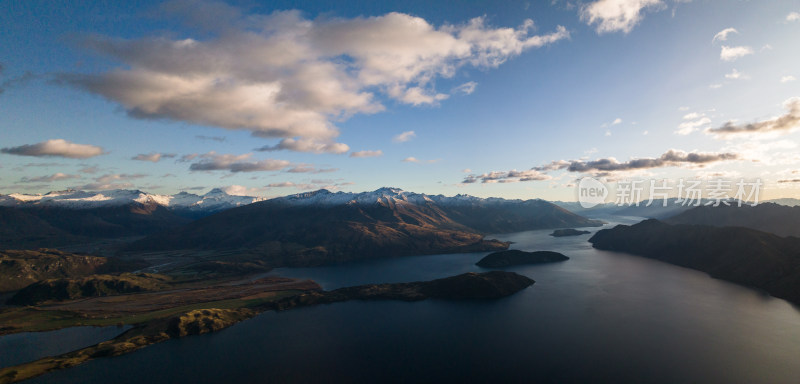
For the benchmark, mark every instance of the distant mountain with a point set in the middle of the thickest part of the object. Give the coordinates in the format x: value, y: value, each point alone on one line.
x: 324, y: 227
x: 185, y: 203
x: 789, y: 202
x: 655, y: 210
x: 75, y: 217
x: 768, y: 217
x: 740, y: 255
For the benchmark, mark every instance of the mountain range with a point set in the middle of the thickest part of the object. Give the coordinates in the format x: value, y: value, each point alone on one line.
x: 767, y: 217
x: 322, y: 227
x: 302, y: 229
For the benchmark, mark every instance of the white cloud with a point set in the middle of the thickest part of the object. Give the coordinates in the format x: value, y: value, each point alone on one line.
x: 283, y: 76
x: 794, y: 16
x: 736, y: 75
x: 733, y: 53
x: 55, y: 148
x: 616, y: 15
x: 715, y: 86
x: 788, y: 79
x: 723, y: 34
x: 241, y: 190
x: 688, y: 127
x: 153, y: 156
x: 691, y: 116
x: 405, y: 136
x: 466, y: 88
x: 415, y: 160
x: 367, y: 153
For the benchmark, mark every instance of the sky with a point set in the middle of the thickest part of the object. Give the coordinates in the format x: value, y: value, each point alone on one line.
x: 519, y: 100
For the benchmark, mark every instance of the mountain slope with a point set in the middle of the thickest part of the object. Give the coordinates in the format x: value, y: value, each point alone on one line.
x: 323, y: 227
x: 740, y: 255
x: 767, y: 217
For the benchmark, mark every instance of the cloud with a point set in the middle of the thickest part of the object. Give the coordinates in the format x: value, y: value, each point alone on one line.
x: 47, y: 179
x: 366, y: 153
x: 616, y: 15
x: 512, y: 176
x: 16, y: 81
x: 466, y: 88
x: 305, y: 168
x: 403, y: 137
x: 56, y: 148
x: 109, y: 178
x: 236, y: 163
x: 313, y: 185
x: 606, y: 166
x: 616, y: 121
x: 736, y: 75
x: 304, y: 145
x: 415, y: 160
x: 688, y: 127
x: 723, y: 34
x: 733, y: 53
x: 671, y: 158
x: 783, y: 123
x: 111, y: 181
x: 90, y: 170
x: 153, y: 156
x: 241, y: 190
x: 793, y: 16
x: 281, y: 75
x: 213, y: 138
x: 788, y: 79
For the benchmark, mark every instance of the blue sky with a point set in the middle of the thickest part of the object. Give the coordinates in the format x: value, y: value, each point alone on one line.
x: 514, y: 100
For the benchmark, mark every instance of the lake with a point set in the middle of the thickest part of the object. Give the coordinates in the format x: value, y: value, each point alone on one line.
x: 601, y: 317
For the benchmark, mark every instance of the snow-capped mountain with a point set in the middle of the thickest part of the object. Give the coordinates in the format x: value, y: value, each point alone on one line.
x: 384, y: 195
x: 214, y: 200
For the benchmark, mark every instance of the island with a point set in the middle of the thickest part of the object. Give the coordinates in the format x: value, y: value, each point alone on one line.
x: 568, y: 232
x: 214, y: 307
x: 515, y: 257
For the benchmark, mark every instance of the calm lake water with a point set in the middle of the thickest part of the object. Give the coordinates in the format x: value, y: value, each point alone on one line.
x: 23, y: 347
x: 601, y: 317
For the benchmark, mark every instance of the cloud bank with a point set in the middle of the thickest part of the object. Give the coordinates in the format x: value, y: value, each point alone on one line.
x: 671, y: 158
x: 55, y: 148
x: 783, y: 123
x: 284, y: 76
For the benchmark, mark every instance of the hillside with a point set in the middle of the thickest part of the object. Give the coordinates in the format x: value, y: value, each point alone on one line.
x: 21, y: 268
x: 91, y: 286
x: 767, y: 217
x: 323, y: 227
x: 51, y: 226
x: 740, y: 255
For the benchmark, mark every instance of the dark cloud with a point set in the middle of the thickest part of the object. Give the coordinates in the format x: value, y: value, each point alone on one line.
x: 603, y: 167
x: 55, y: 148
x: 236, y: 163
x: 785, y: 122
x: 153, y: 156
